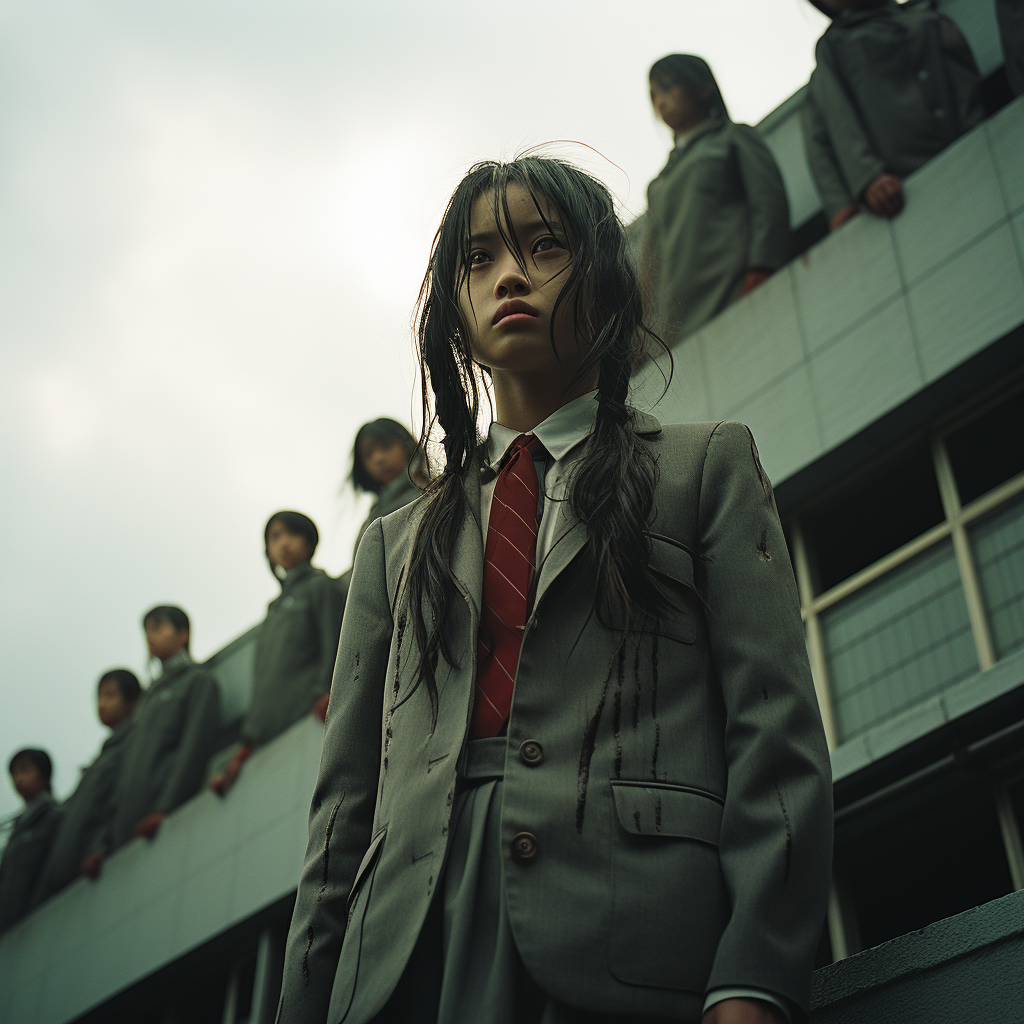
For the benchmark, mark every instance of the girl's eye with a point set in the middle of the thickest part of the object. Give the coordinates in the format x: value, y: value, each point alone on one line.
x: 547, y: 244
x: 478, y: 257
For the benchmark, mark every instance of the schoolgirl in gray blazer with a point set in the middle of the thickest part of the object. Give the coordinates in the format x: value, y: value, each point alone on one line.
x: 649, y: 836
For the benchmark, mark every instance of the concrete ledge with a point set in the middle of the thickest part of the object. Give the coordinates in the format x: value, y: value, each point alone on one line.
x: 965, y: 968
x: 215, y: 863
x: 928, y: 716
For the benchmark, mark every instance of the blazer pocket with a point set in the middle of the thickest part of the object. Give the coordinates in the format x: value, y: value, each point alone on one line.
x: 669, y: 903
x: 662, y: 809
x: 673, y: 566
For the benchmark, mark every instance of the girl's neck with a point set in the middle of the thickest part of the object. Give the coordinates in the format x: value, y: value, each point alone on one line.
x: 688, y: 126
x: 521, y: 401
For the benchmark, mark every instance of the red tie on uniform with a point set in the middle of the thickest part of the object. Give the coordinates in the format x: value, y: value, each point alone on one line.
x: 508, y: 574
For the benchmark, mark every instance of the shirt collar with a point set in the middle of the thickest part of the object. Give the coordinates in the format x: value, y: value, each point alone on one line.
x: 34, y: 807
x: 684, y: 137
x: 181, y: 659
x: 559, y: 433
x: 296, y: 573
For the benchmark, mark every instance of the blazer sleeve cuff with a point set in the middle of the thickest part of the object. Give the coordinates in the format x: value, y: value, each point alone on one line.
x: 718, y: 995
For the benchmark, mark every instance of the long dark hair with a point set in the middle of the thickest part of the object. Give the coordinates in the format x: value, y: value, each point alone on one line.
x: 167, y: 613
x: 694, y: 75
x: 127, y: 683
x: 382, y: 431
x: 39, y: 759
x: 612, y: 487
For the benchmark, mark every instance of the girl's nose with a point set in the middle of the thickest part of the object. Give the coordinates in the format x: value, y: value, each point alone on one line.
x: 511, y: 282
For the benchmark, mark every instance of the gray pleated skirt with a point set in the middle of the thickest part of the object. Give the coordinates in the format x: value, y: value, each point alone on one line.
x: 465, y: 968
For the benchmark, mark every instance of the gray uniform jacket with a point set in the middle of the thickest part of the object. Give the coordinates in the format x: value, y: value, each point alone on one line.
x: 893, y: 86
x: 397, y: 494
x: 24, y: 856
x: 394, y: 496
x: 87, y: 815
x: 295, y: 651
x: 175, y: 733
x: 676, y: 791
x: 716, y: 210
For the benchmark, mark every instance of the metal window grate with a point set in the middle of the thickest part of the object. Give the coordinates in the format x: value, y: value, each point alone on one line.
x: 898, y: 641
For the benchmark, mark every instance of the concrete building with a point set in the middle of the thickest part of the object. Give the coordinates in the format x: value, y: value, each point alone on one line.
x: 882, y: 372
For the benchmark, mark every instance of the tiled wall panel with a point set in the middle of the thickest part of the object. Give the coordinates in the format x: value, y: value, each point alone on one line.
x: 975, y: 298
x: 866, y: 372
x: 949, y: 202
x: 214, y: 863
x: 838, y: 285
x: 1006, y: 139
x: 753, y: 344
x: 784, y: 423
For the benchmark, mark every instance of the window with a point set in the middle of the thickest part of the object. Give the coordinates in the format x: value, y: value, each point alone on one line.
x: 898, y: 640
x: 998, y: 545
x: 988, y: 450
x: 911, y: 575
x: 871, y: 517
x: 925, y: 865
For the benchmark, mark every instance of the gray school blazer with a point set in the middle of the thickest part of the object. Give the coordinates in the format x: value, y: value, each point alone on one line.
x: 676, y: 791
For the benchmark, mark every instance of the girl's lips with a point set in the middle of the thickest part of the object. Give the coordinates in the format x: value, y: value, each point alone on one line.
x: 507, y: 310
x: 512, y: 317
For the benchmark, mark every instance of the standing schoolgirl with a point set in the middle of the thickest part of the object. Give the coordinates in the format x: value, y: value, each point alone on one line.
x: 173, y: 736
x: 89, y: 810
x: 385, y: 464
x: 717, y: 222
x: 640, y: 827
x: 31, y: 835
x: 296, y: 645
x: 893, y: 85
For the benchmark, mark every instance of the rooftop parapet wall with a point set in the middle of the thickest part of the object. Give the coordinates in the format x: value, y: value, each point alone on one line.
x: 217, y: 863
x: 965, y: 968
x: 869, y: 316
x: 213, y: 864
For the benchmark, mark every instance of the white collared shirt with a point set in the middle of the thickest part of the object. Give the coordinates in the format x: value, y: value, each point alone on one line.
x: 180, y: 659
x: 562, y: 435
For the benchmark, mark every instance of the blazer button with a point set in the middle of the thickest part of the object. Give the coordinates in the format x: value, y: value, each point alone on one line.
x: 524, y: 846
x: 531, y: 752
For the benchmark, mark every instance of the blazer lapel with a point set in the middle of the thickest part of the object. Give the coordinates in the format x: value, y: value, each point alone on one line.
x: 711, y: 123
x: 570, y: 536
x: 570, y: 533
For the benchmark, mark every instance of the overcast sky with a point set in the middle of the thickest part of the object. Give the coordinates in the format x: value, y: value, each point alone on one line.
x: 215, y: 218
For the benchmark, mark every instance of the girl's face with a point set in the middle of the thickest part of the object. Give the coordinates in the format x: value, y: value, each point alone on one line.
x: 286, y: 549
x: 111, y: 707
x: 383, y: 461
x: 676, y: 106
x: 27, y: 779
x: 509, y: 310
x: 163, y: 639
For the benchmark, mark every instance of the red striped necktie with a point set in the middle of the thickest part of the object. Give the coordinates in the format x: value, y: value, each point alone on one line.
x: 508, y: 577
